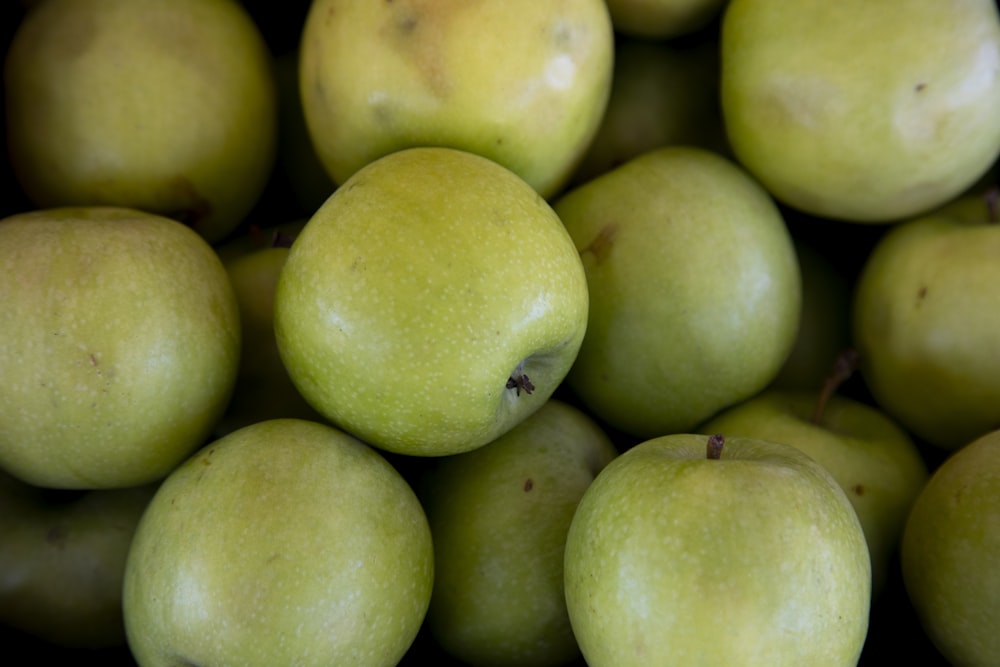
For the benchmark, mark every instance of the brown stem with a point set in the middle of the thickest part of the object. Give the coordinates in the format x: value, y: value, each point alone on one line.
x: 843, y: 368
x: 715, y: 444
x: 992, y: 197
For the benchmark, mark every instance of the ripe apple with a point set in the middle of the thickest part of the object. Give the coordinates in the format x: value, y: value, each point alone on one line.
x: 499, y: 517
x: 926, y: 322
x: 662, y: 20
x: 872, y: 458
x: 523, y: 83
x: 285, y: 542
x: 949, y: 549
x: 662, y: 93
x: 167, y: 106
x: 695, y: 291
x: 433, y: 302
x: 263, y: 388
x: 62, y: 561
x: 121, y: 345
x: 680, y: 553
x: 870, y: 112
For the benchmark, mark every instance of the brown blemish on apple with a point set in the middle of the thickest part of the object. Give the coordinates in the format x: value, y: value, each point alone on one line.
x: 713, y: 449
x: 920, y: 87
x: 529, y: 484
x: 600, y: 247
x: 921, y: 294
x: 858, y: 489
x: 193, y: 208
x: 417, y: 29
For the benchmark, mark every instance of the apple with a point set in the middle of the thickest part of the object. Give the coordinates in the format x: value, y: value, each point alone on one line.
x: 868, y: 112
x: 121, y: 345
x: 714, y: 550
x: 62, y: 561
x: 949, y: 547
x: 433, y: 302
x: 662, y: 93
x: 285, y: 542
x: 520, y: 82
x: 926, y: 322
x: 263, y: 388
x: 499, y: 517
x: 824, y: 321
x: 167, y: 106
x: 872, y: 458
x: 695, y: 291
x: 662, y: 20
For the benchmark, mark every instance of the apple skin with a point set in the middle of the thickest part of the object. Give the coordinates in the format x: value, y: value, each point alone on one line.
x: 121, y: 346
x: 868, y: 112
x: 520, y: 82
x: 754, y: 559
x: 62, y: 561
x: 417, y: 291
x: 499, y: 517
x: 949, y: 548
x: 167, y: 106
x: 263, y: 388
x: 926, y: 323
x: 285, y: 542
x: 873, y: 459
x: 695, y: 291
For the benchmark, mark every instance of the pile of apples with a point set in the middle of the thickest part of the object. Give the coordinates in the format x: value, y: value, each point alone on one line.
x: 510, y: 333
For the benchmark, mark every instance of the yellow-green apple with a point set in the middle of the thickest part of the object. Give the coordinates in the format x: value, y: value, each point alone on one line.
x: 263, y: 388
x: 167, y: 106
x: 662, y: 20
x: 872, y: 458
x: 870, y: 112
x: 714, y: 550
x: 694, y: 284
x: 499, y: 517
x: 62, y: 561
x: 926, y: 322
x: 949, y: 549
x: 662, y: 93
x: 434, y: 301
x: 121, y: 345
x: 284, y: 542
x: 520, y: 82
x: 824, y: 321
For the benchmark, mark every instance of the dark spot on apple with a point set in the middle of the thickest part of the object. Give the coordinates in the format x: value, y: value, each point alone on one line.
x: 600, y: 247
x: 93, y: 359
x: 529, y: 484
x: 920, y: 87
x: 858, y: 489
x: 57, y: 535
x: 921, y: 293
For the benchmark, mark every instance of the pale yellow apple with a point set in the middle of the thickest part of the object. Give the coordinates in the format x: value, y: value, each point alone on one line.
x: 863, y: 111
x: 521, y: 82
x: 167, y: 106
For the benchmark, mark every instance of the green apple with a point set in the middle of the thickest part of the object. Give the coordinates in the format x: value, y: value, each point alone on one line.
x: 263, y: 388
x: 662, y: 93
x: 694, y: 284
x: 949, y: 550
x: 926, y: 322
x: 712, y: 550
x: 870, y: 112
x: 499, y: 517
x: 873, y: 459
x: 660, y: 20
x: 121, y: 345
x: 523, y: 83
x: 432, y: 303
x: 167, y: 106
x: 824, y: 321
x: 62, y: 561
x: 286, y: 542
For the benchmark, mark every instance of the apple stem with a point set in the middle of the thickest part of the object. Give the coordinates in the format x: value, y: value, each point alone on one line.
x: 519, y: 381
x: 843, y: 367
x: 992, y: 197
x: 281, y: 239
x: 715, y: 444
